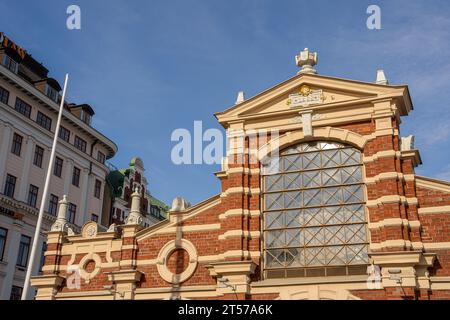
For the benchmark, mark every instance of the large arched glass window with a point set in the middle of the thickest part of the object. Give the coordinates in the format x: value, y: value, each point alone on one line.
x: 314, y: 217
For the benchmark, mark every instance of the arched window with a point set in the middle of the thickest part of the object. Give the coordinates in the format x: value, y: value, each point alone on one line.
x: 314, y: 217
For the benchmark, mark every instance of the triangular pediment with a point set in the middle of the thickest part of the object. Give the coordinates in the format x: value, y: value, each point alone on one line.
x: 310, y: 90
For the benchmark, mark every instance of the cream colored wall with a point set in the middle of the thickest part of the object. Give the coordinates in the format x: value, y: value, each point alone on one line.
x: 15, y: 165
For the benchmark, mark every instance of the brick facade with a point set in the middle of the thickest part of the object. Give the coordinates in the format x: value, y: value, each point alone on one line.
x: 187, y: 255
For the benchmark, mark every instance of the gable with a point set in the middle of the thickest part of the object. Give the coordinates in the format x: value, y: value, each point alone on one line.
x: 327, y: 92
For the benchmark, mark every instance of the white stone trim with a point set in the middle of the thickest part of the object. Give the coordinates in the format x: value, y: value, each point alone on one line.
x: 164, y: 255
x: 434, y: 210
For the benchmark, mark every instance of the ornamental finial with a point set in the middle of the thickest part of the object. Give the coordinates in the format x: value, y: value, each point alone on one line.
x: 306, y: 60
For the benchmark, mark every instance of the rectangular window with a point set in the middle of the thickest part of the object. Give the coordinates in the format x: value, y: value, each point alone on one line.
x: 16, y: 293
x: 53, y: 205
x: 97, y: 189
x: 80, y: 144
x: 4, y: 95
x: 76, y: 177
x: 10, y: 64
x: 24, y: 248
x: 57, y: 169
x: 44, y: 121
x: 16, y: 146
x: 64, y: 133
x: 94, y: 218
x: 3, y: 235
x: 72, y: 211
x: 51, y: 93
x: 101, y: 157
x: 38, y: 156
x: 23, y: 107
x: 10, y: 186
x: 44, y: 248
x: 32, y: 195
x: 85, y: 117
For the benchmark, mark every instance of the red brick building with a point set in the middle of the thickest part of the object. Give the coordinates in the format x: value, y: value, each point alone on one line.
x: 343, y: 215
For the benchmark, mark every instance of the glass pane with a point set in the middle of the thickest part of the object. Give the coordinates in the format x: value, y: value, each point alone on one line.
x: 331, y: 177
x: 292, y: 199
x: 293, y: 219
x: 311, y: 160
x: 292, y: 181
x: 274, y: 201
x: 274, y: 183
x: 292, y: 163
x: 274, y: 220
x: 275, y: 239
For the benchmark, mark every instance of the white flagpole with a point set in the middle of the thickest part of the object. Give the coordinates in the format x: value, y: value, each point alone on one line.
x: 32, y: 258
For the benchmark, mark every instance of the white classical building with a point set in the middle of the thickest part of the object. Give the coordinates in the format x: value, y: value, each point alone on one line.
x: 29, y: 103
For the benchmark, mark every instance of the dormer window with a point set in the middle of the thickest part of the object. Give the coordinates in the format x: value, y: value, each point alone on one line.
x: 85, y: 117
x: 51, y: 93
x: 10, y: 64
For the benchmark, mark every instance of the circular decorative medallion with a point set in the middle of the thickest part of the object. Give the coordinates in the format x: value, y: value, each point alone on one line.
x: 177, y: 261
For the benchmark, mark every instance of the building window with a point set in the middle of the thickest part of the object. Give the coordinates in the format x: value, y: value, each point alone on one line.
x: 94, y: 217
x: 23, y: 107
x: 3, y: 235
x: 57, y: 169
x: 51, y: 93
x: 155, y: 211
x: 10, y: 64
x: 97, y: 188
x: 16, y: 146
x: 72, y: 211
x: 24, y: 248
x: 314, y: 215
x: 101, y: 157
x: 64, y: 134
x: 80, y: 144
x: 85, y: 117
x: 44, y: 121
x: 4, y: 95
x: 38, y: 156
x: 16, y: 293
x: 10, y: 186
x: 32, y: 195
x: 53, y: 205
x: 42, y: 262
x: 76, y: 177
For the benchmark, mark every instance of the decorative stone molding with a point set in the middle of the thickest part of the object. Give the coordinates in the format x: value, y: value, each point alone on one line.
x: 125, y: 283
x: 89, y: 230
x: 235, y: 273
x: 434, y: 184
x: 164, y: 255
x: 409, y: 266
x: 47, y: 286
x: 317, y: 293
x: 88, y: 276
x: 135, y: 217
x: 179, y: 204
x: 322, y: 133
x: 407, y: 143
x: 61, y: 225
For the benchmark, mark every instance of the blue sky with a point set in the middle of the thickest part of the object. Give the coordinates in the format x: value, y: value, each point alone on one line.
x: 149, y: 67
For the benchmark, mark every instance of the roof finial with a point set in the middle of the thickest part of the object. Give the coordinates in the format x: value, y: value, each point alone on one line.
x: 381, y: 77
x: 240, y: 97
x: 306, y: 60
